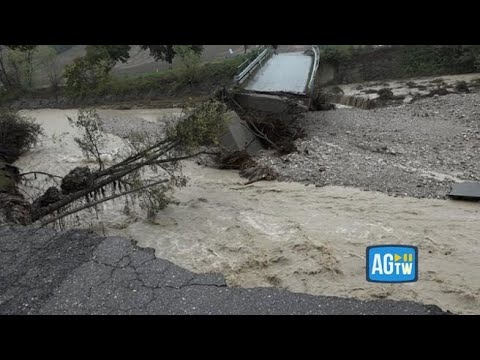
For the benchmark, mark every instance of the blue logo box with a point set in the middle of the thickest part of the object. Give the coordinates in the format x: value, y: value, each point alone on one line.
x: 392, y: 263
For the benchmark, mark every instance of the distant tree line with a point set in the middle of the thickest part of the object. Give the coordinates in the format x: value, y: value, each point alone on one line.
x: 17, y: 63
x: 92, y: 71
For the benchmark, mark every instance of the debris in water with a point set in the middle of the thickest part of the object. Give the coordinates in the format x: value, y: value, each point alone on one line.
x: 258, y: 173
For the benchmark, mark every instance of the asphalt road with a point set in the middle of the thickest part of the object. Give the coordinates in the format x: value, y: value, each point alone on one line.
x: 79, y: 272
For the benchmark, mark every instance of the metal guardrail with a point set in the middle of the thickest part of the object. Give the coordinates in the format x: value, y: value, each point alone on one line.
x: 252, y: 66
x: 316, y: 62
x: 255, y: 51
x: 265, y: 53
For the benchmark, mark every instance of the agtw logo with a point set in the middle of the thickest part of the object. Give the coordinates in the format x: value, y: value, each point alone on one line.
x: 392, y: 263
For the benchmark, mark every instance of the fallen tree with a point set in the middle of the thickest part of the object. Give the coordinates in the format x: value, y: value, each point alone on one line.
x: 84, y: 188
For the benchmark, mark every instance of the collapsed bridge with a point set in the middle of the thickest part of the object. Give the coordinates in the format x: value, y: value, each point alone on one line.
x: 268, y: 81
x: 271, y: 84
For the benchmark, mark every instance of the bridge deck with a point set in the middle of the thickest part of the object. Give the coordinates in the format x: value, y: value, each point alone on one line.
x: 286, y: 72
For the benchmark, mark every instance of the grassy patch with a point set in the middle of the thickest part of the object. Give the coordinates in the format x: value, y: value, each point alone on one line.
x: 173, y: 81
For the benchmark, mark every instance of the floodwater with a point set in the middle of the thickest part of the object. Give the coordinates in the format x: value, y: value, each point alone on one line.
x: 399, y: 87
x: 301, y: 238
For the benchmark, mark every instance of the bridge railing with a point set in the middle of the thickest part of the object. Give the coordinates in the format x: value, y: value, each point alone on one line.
x: 316, y: 62
x: 249, y: 65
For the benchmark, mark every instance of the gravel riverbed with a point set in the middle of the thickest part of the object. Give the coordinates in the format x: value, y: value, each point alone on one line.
x: 414, y: 150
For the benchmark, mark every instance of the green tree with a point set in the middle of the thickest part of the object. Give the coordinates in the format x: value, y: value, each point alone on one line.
x: 92, y: 71
x: 47, y: 58
x: 88, y: 74
x: 114, y: 52
x: 16, y: 66
x: 189, y: 63
x: 93, y: 138
x: 122, y: 52
x: 167, y: 52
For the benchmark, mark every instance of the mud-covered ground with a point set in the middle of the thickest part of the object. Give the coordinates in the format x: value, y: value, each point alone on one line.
x: 415, y: 150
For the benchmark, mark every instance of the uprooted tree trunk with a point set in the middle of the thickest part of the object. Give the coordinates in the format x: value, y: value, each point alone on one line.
x: 13, y: 206
x: 95, y: 185
x: 276, y: 131
x: 249, y: 168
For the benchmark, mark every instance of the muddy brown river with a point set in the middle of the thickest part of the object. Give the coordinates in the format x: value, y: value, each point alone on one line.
x: 301, y: 238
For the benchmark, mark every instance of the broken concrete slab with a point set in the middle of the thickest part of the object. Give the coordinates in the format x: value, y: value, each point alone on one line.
x: 239, y: 137
x: 262, y: 102
x: 466, y: 191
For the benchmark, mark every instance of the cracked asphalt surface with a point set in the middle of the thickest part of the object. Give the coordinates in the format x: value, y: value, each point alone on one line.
x: 79, y: 272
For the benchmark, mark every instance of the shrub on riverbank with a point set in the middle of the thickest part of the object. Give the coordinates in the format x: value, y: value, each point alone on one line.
x: 17, y: 135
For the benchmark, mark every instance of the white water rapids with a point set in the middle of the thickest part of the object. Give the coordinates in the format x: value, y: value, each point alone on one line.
x: 301, y: 238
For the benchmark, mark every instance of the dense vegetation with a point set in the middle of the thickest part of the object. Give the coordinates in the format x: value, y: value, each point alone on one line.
x: 176, y: 80
x: 90, y: 76
x: 367, y: 63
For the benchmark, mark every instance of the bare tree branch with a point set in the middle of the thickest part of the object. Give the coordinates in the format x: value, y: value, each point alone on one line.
x: 261, y: 135
x: 23, y: 191
x: 94, y: 203
x: 40, y: 172
x: 113, y: 177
